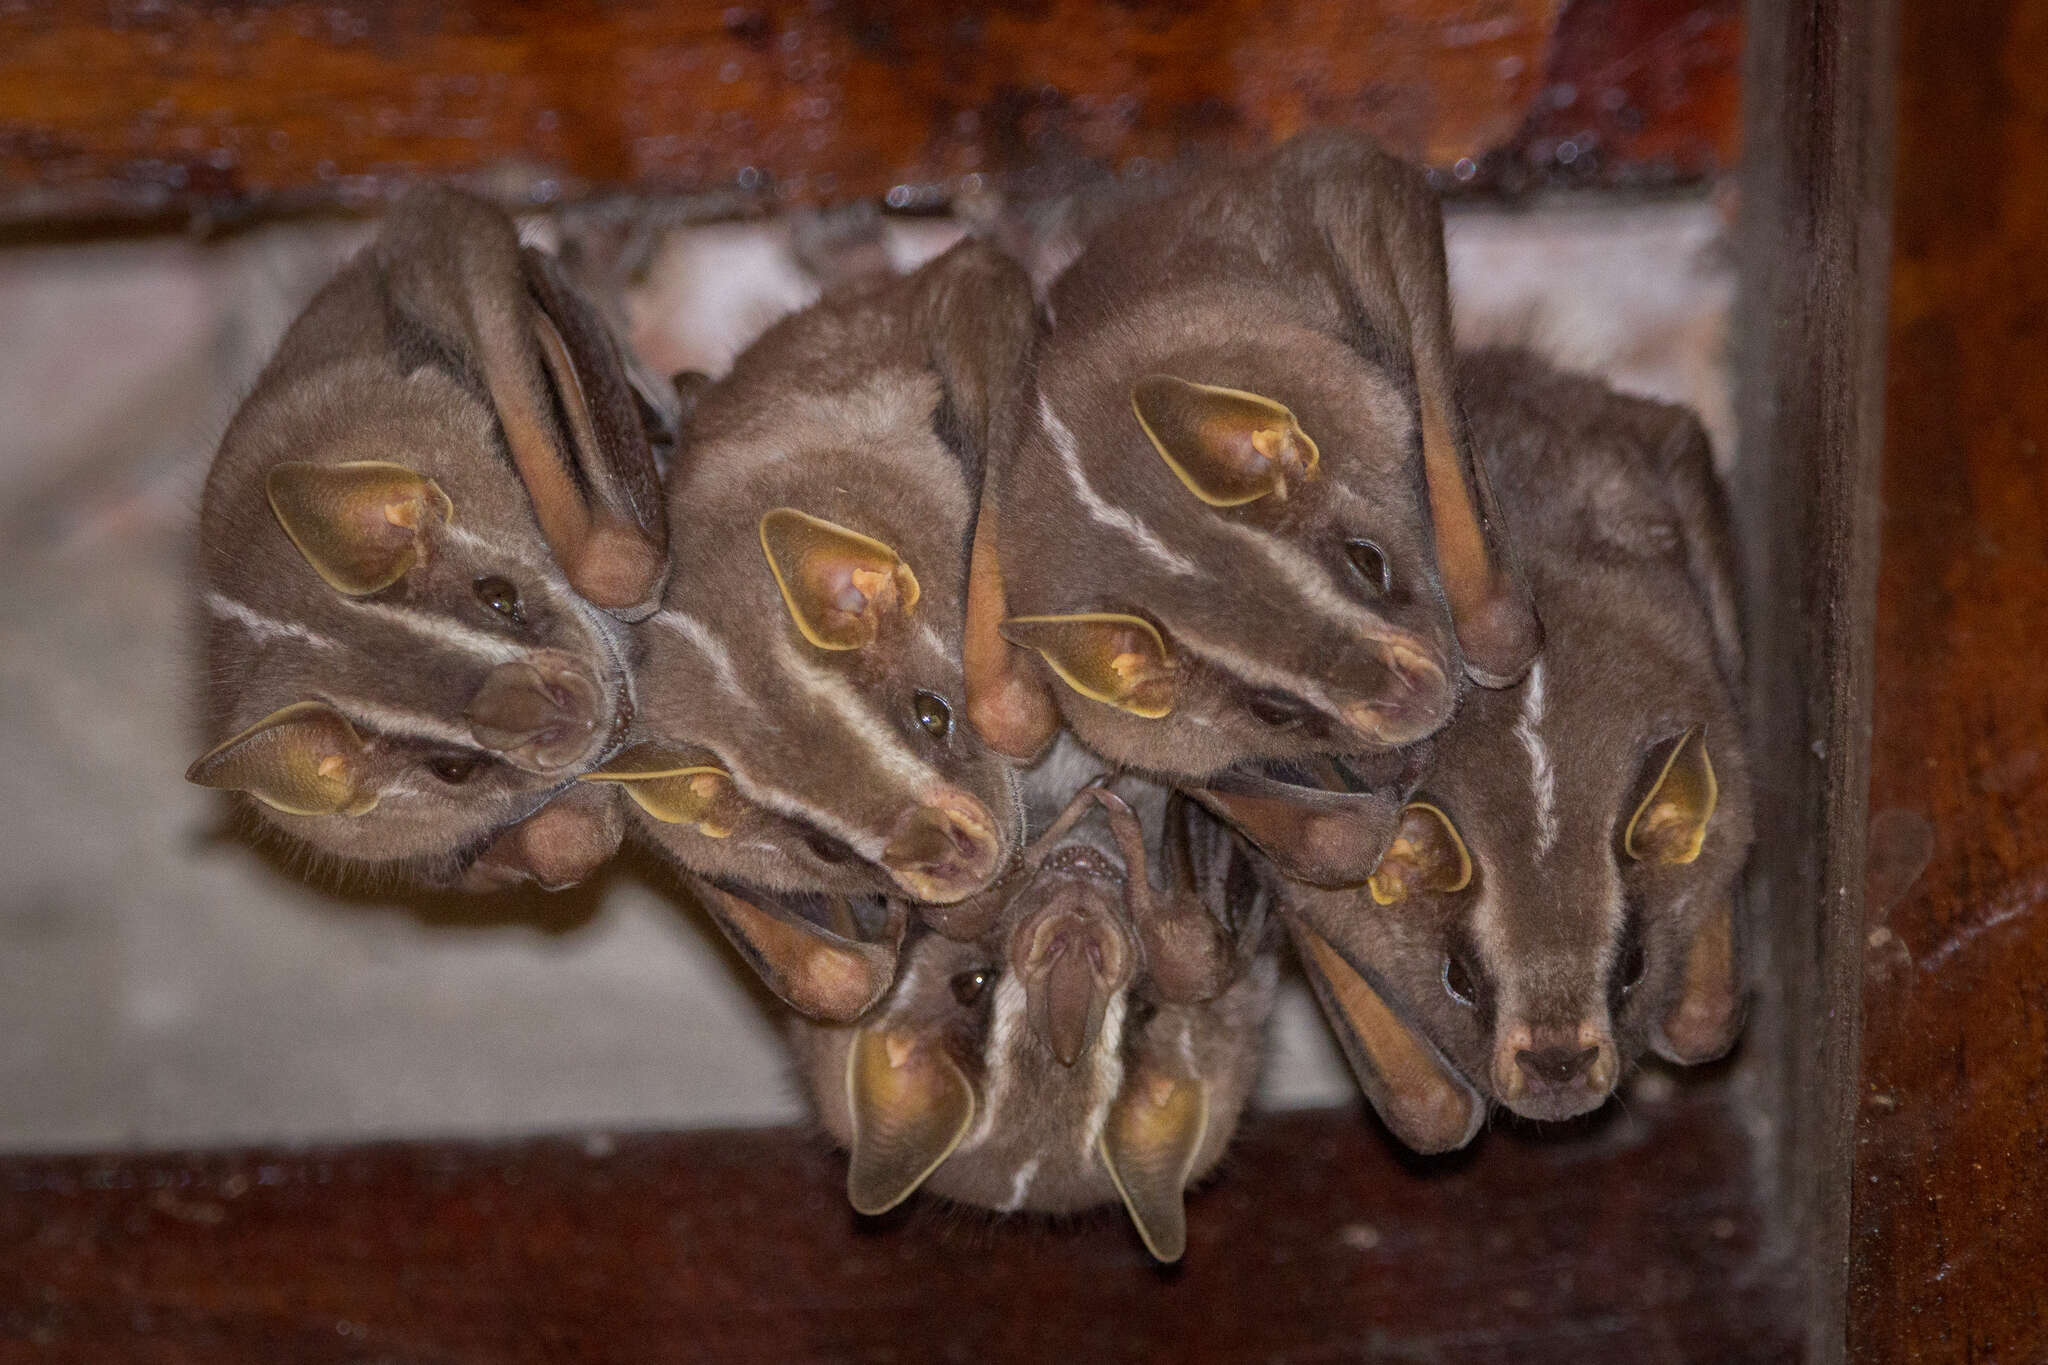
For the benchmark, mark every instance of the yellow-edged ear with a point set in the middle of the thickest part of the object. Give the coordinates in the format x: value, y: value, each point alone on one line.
x: 1425, y: 855
x: 1228, y: 446
x: 911, y: 1105
x: 361, y: 525
x: 303, y: 760
x: 1120, y: 661
x: 674, y: 790
x: 1149, y: 1144
x: 1671, y: 823
x: 837, y: 583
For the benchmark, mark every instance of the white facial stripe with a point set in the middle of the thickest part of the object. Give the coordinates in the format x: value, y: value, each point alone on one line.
x: 1003, y: 1033
x: 701, y: 639
x: 489, y: 550
x: 1185, y: 1045
x: 265, y: 627
x: 883, y: 745
x: 1114, y: 518
x: 443, y: 630
x: 779, y: 802
x: 932, y: 640
x: 1020, y: 1186
x: 1542, y: 776
x: 1312, y: 582
x: 1258, y: 672
x: 1107, y: 1077
x: 403, y: 724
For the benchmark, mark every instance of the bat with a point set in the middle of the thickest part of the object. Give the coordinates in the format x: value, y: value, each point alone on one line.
x: 1238, y: 531
x: 802, y: 674
x: 422, y: 541
x: 1073, y: 1036
x: 1559, y: 896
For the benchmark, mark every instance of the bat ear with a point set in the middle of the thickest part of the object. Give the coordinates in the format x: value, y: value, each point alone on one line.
x: 453, y: 264
x: 1671, y: 823
x: 674, y: 790
x: 1228, y: 446
x: 911, y: 1105
x: 1008, y: 704
x: 838, y: 584
x: 1120, y: 661
x: 1154, y: 1132
x: 1323, y: 838
x: 1427, y: 1105
x: 1380, y: 218
x: 303, y: 760
x: 1426, y: 855
x: 815, y: 971
x: 1708, y: 1015
x: 361, y: 525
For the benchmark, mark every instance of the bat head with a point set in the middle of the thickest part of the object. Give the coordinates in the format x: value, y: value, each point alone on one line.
x: 1240, y: 528
x: 1559, y: 897
x: 1074, y: 1036
x: 423, y: 533
x: 809, y: 648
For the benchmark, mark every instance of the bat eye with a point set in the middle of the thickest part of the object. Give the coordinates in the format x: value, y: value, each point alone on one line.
x: 454, y: 769
x: 1634, y: 962
x: 1459, y: 982
x: 1141, y: 1011
x: 933, y: 715
x: 1370, y: 562
x: 501, y: 597
x: 1281, y: 710
x: 968, y: 987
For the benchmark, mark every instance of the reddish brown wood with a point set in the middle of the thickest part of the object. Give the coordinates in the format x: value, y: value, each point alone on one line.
x: 1951, y: 1188
x: 169, y: 109
x: 1635, y: 1240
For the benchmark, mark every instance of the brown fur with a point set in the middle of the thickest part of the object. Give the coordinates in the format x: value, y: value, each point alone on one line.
x: 410, y: 356
x: 1626, y: 541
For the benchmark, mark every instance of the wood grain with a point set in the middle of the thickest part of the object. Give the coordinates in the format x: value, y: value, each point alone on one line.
x: 1633, y: 1239
x: 1951, y: 1190
x: 169, y: 110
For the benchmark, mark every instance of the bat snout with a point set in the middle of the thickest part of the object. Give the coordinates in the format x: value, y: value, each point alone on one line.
x: 556, y: 847
x: 943, y: 852
x: 1073, y: 957
x: 1411, y: 698
x: 544, y: 713
x: 1554, y: 1073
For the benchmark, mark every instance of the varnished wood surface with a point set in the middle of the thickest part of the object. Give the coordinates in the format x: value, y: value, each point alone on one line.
x: 1951, y: 1189
x: 1634, y: 1240
x: 172, y: 110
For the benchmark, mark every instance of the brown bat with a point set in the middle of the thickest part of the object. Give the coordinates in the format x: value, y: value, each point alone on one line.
x: 1560, y: 896
x: 420, y: 541
x: 1240, y: 530
x: 803, y: 673
x: 1094, y: 1038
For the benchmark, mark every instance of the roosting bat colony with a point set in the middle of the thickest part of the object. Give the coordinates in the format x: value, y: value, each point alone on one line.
x: 1009, y: 667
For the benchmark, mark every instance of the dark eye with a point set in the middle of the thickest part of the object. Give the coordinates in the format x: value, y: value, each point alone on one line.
x: 933, y: 715
x: 501, y: 597
x: 969, y: 987
x: 1141, y: 1012
x: 1459, y: 980
x: 1371, y: 563
x: 1634, y: 962
x: 1278, y: 709
x: 454, y: 769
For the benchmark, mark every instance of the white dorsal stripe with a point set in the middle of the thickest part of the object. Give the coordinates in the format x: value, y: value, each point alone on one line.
x: 443, y: 630
x: 1099, y: 509
x: 1542, y: 774
x: 265, y: 627
x: 1020, y: 1185
x: 702, y: 639
x: 1107, y: 1076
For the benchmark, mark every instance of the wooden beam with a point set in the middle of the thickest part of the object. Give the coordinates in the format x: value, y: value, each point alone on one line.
x: 174, y: 110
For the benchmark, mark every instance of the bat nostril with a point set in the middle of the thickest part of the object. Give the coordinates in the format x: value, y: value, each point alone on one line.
x: 544, y: 719
x: 1553, y: 1067
x: 941, y: 854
